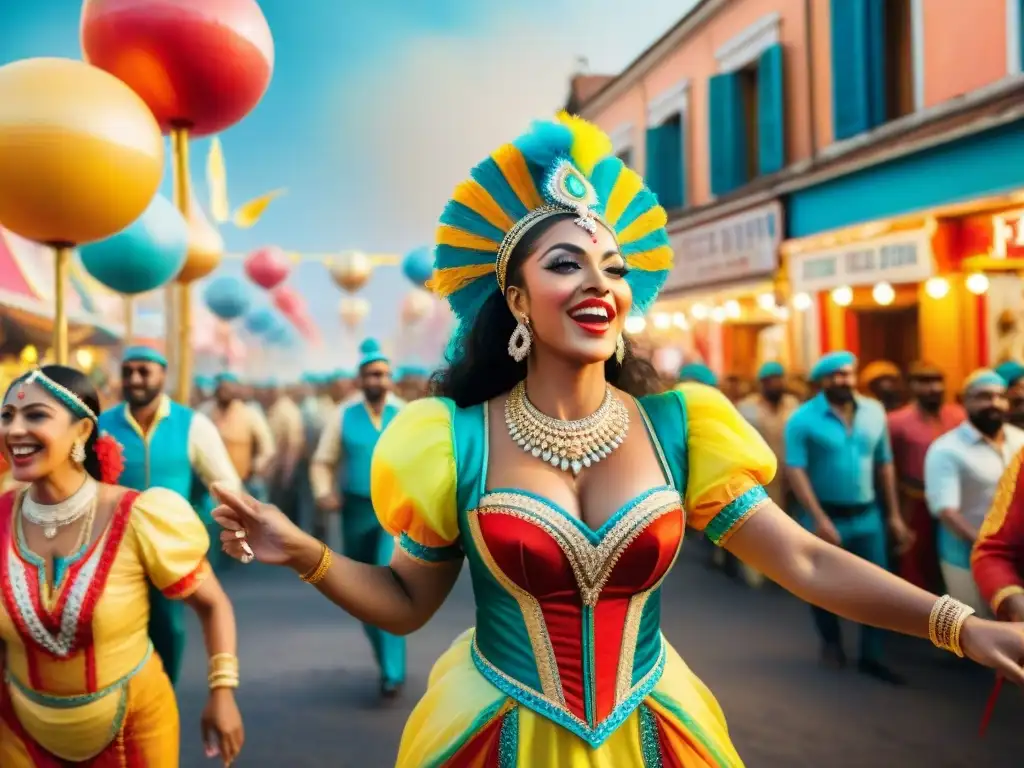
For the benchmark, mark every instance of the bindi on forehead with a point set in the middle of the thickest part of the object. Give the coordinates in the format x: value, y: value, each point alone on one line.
x: 24, y: 396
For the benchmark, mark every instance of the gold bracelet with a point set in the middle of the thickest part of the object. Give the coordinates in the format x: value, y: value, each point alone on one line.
x: 317, y: 575
x: 945, y: 622
x: 223, y: 682
x: 228, y: 657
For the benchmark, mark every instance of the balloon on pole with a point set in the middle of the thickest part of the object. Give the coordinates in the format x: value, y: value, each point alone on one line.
x: 227, y: 297
x: 351, y: 270
x: 143, y: 256
x: 80, y: 159
x: 353, y: 310
x: 416, y: 306
x: 261, y: 321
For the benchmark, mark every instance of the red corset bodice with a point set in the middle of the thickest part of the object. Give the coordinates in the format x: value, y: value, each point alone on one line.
x: 583, y: 595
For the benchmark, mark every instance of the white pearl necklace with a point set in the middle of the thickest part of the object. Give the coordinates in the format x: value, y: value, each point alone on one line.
x: 52, y: 517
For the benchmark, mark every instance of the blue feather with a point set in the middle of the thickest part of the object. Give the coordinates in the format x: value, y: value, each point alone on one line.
x: 645, y: 287
x: 489, y: 176
x: 448, y: 256
x: 606, y: 173
x: 457, y: 215
x: 467, y: 301
x: 646, y: 243
x: 644, y: 201
x: 545, y: 143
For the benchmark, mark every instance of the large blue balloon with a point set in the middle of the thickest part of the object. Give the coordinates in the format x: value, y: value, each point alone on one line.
x: 280, y: 335
x: 146, y: 254
x: 227, y: 297
x: 261, y: 321
x: 418, y: 265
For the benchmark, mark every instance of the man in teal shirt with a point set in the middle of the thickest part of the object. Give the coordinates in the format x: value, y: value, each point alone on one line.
x: 340, y: 476
x: 837, y: 453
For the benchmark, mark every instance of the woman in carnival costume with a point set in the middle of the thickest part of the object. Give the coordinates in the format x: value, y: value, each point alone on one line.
x: 550, y: 466
x: 82, y: 685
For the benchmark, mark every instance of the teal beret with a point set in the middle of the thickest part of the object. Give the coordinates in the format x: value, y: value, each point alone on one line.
x: 832, y: 363
x: 769, y: 369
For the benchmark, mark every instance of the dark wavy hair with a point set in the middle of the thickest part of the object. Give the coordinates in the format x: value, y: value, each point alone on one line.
x: 483, y: 368
x: 78, y: 383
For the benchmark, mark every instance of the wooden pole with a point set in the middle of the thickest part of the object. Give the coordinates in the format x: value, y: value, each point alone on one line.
x: 129, y: 320
x: 179, y: 321
x: 62, y: 254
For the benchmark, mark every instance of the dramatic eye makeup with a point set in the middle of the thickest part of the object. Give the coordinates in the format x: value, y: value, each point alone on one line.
x: 565, y: 258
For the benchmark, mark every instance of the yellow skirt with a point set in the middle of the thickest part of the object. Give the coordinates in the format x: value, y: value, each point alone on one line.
x: 147, y: 738
x: 463, y: 720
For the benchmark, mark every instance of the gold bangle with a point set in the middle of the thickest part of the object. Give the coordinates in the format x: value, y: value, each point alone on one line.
x: 225, y: 683
x: 228, y: 657
x: 945, y: 622
x: 317, y: 575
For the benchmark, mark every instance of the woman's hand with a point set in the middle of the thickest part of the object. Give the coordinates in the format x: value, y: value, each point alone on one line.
x: 263, y: 528
x: 222, y: 726
x: 996, y: 644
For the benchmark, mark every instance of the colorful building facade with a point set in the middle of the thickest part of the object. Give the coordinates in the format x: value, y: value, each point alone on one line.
x: 839, y: 173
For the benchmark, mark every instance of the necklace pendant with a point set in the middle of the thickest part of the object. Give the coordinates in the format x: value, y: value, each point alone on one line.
x: 50, y: 531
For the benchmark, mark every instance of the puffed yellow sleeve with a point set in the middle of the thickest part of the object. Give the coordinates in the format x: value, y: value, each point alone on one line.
x: 172, y: 542
x: 729, y: 464
x: 413, y: 481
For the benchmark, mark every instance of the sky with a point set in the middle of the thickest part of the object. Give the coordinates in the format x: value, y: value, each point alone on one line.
x: 377, y: 108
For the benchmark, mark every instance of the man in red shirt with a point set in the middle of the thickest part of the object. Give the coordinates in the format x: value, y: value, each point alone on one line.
x: 997, y: 560
x: 912, y: 429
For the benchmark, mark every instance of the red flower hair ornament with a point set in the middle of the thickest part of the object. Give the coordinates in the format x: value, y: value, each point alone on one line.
x: 110, y: 454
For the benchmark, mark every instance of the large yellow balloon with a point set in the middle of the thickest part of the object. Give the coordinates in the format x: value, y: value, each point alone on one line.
x: 81, y: 156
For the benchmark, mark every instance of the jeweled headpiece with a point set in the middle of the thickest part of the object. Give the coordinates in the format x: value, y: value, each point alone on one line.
x: 558, y: 167
x: 65, y: 396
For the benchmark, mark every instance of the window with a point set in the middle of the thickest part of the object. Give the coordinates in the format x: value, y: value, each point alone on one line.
x: 876, y: 69
x: 899, y: 58
x: 666, y: 146
x: 748, y: 95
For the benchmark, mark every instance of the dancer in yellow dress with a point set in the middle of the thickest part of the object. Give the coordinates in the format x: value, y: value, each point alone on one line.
x: 82, y: 685
x: 553, y: 467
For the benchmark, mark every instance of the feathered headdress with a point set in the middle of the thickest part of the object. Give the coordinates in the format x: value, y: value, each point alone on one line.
x: 561, y: 166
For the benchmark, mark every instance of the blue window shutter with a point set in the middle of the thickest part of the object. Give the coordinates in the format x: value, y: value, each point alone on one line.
x: 665, y: 163
x: 727, y: 133
x: 771, y: 111
x: 678, y: 185
x: 1020, y: 15
x: 851, y: 108
x: 875, y: 61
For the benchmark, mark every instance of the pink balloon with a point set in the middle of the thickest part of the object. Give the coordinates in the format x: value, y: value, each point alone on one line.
x: 288, y: 301
x: 268, y: 267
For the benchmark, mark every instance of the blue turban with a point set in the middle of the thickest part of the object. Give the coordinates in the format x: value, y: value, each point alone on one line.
x: 143, y: 354
x: 203, y: 383
x: 698, y: 372
x: 412, y: 371
x: 342, y: 374
x: 310, y: 378
x: 769, y: 369
x: 831, y: 363
x: 984, y: 377
x: 371, y: 352
x: 226, y: 378
x: 1011, y: 371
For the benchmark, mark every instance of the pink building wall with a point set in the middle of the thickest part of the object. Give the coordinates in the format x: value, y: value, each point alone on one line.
x: 964, y: 46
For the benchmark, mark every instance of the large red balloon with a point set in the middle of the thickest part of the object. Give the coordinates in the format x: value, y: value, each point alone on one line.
x: 289, y: 302
x: 199, y: 64
x: 268, y: 267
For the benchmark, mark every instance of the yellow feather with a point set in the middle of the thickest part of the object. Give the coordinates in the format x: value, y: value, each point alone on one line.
x: 472, y: 195
x: 457, y: 238
x: 249, y: 213
x: 217, y: 181
x: 445, y: 282
x: 513, y: 167
x: 627, y: 186
x: 645, y: 224
x: 655, y: 260
x: 590, y: 144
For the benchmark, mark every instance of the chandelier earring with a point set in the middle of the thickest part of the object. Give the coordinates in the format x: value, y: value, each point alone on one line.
x: 620, y: 349
x: 520, y: 342
x: 78, y: 452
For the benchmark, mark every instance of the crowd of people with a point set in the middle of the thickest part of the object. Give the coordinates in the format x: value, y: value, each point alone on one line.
x: 546, y: 454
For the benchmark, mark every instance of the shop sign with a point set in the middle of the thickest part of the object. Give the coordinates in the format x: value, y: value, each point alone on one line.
x: 740, y: 247
x: 1008, y: 235
x: 903, y: 258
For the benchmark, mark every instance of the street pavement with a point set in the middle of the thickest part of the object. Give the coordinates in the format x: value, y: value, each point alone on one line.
x: 309, y: 695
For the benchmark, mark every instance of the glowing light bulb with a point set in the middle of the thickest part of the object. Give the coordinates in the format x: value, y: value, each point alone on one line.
x: 936, y: 287
x: 699, y: 312
x: 84, y: 358
x: 843, y: 296
x: 718, y: 315
x: 883, y: 294
x: 802, y: 302
x: 782, y: 313
x: 30, y: 355
x: 662, y: 320
x: 977, y: 283
x: 766, y: 301
x: 732, y: 309
x: 635, y: 324
x: 679, y: 321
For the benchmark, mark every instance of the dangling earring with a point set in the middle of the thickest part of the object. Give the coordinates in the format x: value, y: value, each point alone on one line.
x: 78, y: 452
x: 620, y: 349
x: 520, y: 342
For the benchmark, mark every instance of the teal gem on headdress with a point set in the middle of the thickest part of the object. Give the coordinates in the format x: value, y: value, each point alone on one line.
x: 574, y: 186
x: 568, y: 187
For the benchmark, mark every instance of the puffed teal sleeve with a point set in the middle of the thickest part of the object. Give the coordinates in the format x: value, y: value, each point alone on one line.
x: 728, y: 463
x: 413, y: 481
x: 172, y: 542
